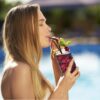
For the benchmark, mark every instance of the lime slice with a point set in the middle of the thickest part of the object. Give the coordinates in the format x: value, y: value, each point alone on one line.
x: 68, y: 42
x: 64, y: 42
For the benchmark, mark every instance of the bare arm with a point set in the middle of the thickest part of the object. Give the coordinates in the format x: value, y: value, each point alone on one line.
x: 60, y: 92
x: 65, y: 84
x: 55, y: 69
x: 54, y: 63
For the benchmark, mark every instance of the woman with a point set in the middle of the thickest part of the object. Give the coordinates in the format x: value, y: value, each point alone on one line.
x: 25, y: 33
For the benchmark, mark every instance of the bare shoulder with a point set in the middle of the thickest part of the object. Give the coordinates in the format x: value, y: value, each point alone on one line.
x: 13, y: 69
x: 21, y: 68
x: 21, y: 71
x: 16, y: 69
x: 21, y: 79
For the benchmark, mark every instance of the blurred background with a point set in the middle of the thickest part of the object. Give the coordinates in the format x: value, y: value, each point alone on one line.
x: 75, y: 20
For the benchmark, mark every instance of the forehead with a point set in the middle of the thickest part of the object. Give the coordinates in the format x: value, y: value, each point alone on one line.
x: 41, y: 16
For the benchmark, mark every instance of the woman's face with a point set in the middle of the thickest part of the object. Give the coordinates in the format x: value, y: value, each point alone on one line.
x: 44, y: 31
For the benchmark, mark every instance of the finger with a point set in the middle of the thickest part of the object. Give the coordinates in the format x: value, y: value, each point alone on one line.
x: 70, y: 65
x: 53, y: 46
x: 77, y: 76
x: 53, y: 53
x: 75, y: 71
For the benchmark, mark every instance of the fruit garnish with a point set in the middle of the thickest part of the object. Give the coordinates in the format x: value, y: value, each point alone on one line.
x: 67, y: 49
x: 64, y: 42
x: 68, y: 42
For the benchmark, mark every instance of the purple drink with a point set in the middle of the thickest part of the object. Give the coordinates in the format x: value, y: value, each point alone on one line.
x: 63, y: 55
x: 64, y: 59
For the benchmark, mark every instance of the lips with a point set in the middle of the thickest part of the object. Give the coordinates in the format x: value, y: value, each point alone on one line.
x: 48, y: 36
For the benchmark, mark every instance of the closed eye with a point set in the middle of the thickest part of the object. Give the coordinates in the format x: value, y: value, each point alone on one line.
x: 42, y: 21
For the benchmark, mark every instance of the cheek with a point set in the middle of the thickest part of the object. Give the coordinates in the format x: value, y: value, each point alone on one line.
x: 42, y: 30
x: 41, y: 37
x: 41, y: 33
x: 43, y: 41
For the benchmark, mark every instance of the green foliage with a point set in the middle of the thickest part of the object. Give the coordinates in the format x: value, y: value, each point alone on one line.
x: 61, y: 19
x: 5, y: 7
x: 93, y: 13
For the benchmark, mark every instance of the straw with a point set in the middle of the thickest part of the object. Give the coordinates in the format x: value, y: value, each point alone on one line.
x: 55, y: 41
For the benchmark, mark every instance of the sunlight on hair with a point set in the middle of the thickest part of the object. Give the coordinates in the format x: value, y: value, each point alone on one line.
x: 10, y: 63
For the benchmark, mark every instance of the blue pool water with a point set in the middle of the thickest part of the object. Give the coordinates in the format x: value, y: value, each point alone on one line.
x: 87, y: 58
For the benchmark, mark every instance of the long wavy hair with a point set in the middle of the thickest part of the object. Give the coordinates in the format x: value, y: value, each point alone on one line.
x: 21, y: 43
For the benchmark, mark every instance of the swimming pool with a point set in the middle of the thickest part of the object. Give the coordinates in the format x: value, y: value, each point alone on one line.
x: 87, y: 58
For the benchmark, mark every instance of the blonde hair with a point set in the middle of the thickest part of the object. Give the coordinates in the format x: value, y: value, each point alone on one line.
x: 21, y: 42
